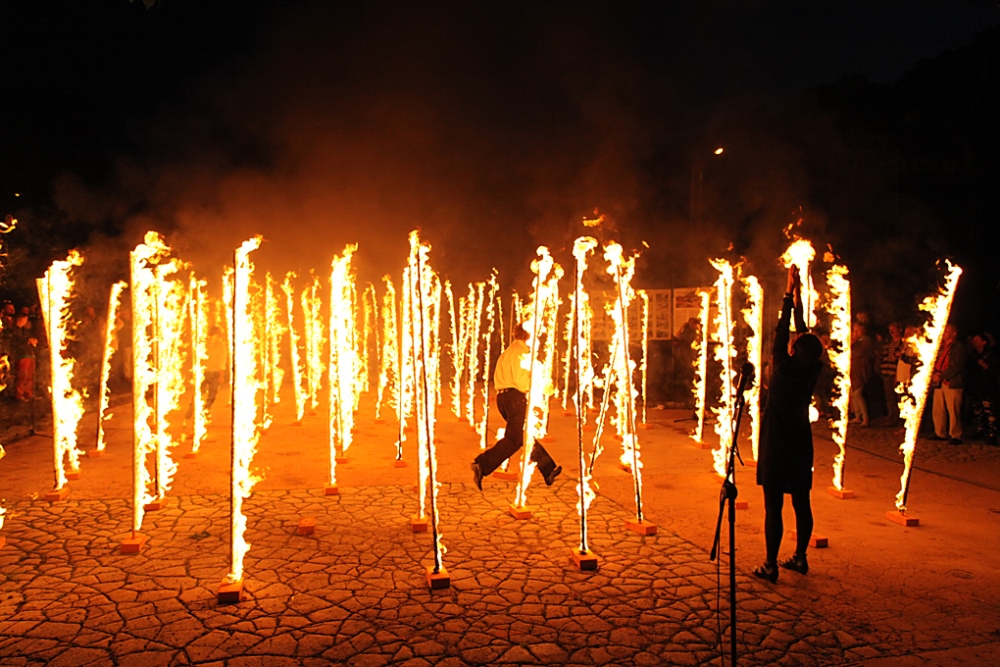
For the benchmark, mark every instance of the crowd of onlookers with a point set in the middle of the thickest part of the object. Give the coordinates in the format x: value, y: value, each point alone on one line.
x: 964, y: 385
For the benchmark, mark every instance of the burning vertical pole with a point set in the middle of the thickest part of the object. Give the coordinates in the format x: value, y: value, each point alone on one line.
x: 484, y: 423
x: 295, y: 354
x: 838, y: 306
x: 110, y: 347
x: 247, y: 392
x: 644, y: 367
x: 54, y: 290
x: 927, y: 343
x: 725, y: 352
x: 341, y: 366
x: 753, y: 316
x: 198, y: 317
x: 701, y: 367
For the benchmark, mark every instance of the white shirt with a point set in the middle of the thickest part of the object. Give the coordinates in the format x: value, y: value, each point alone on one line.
x: 512, y: 371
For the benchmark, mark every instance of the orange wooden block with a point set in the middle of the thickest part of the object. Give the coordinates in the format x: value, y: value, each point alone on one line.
x: 297, y: 422
x: 439, y: 580
x: 815, y: 541
x: 521, y: 513
x: 902, y: 519
x: 750, y: 463
x: 57, y: 494
x: 567, y: 413
x: 704, y: 445
x: 95, y: 453
x: 548, y: 438
x: 191, y: 455
x: 307, y: 525
x: 589, y: 428
x: 626, y: 467
x: 642, y: 527
x: 505, y: 475
x: 230, y: 592
x: 3, y: 542
x: 331, y: 490
x: 73, y: 475
x: 379, y: 421
x: 399, y: 463
x: 419, y: 524
x: 133, y: 544
x: 843, y: 494
x: 742, y: 505
x: 341, y: 460
x: 155, y: 505
x: 586, y: 561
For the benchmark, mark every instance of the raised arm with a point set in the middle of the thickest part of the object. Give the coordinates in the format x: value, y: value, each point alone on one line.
x: 781, y: 335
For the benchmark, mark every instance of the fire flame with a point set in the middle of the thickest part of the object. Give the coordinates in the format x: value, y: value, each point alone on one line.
x: 584, y: 376
x: 198, y: 316
x: 801, y: 254
x: 341, y: 368
x: 753, y: 315
x: 295, y: 356
x: 725, y: 352
x: 701, y: 367
x: 483, y: 427
x: 388, y: 376
x: 248, y: 392
x: 644, y: 366
x: 110, y: 347
x: 55, y: 290
x: 839, y: 352
x: 927, y: 343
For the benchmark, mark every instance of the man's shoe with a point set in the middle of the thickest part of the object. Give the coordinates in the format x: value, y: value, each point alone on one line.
x: 477, y: 476
x: 955, y: 441
x: 797, y: 563
x: 936, y: 437
x: 767, y: 572
x: 551, y: 477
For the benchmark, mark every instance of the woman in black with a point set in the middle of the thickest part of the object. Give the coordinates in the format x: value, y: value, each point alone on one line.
x: 786, y: 447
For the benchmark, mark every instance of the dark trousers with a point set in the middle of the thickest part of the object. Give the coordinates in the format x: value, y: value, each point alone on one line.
x: 513, y: 405
x: 774, y: 500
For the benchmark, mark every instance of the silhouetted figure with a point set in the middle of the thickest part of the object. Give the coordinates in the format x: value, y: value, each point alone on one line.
x: 786, y: 446
x: 984, y: 386
x: 512, y: 378
x: 948, y: 380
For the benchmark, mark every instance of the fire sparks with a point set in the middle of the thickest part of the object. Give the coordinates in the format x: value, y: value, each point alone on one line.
x: 753, y: 315
x: 725, y: 352
x: 838, y: 306
x: 55, y: 289
x: 700, y: 344
x: 927, y: 343
x: 110, y: 347
x: 247, y: 393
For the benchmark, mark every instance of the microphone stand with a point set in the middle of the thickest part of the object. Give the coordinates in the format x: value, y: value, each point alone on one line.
x: 727, y: 498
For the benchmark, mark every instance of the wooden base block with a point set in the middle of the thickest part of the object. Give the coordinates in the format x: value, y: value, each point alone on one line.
x: 341, y: 460
x: 815, y: 541
x: 419, y: 524
x: 626, y: 467
x: 230, y: 593
x: 73, y: 475
x: 439, y: 580
x: 646, y: 426
x: 505, y: 475
x: 155, y: 505
x: 902, y: 519
x: 57, y: 494
x: 379, y: 421
x: 589, y: 428
x: 548, y: 438
x: 133, y: 545
x: 742, y: 505
x: 568, y: 413
x: 704, y: 445
x: 642, y: 527
x: 297, y: 422
x: 307, y: 526
x: 399, y: 463
x: 191, y: 455
x: 750, y: 463
x: 95, y: 453
x: 843, y: 494
x: 410, y: 429
x: 331, y: 490
x: 586, y: 561
x: 3, y: 542
x: 521, y: 513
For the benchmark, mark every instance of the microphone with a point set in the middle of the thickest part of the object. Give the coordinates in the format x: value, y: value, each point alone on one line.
x: 747, y: 375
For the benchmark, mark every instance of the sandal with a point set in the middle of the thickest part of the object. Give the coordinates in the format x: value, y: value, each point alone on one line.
x: 797, y: 563
x: 767, y: 572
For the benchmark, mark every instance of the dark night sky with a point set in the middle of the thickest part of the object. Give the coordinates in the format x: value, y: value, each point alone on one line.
x: 493, y: 126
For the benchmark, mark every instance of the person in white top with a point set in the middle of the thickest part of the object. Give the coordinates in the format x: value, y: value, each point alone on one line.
x: 512, y: 380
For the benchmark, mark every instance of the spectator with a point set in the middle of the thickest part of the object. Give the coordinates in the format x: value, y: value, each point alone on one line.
x: 21, y: 344
x: 984, y: 386
x: 892, y: 352
x: 863, y: 371
x: 948, y: 381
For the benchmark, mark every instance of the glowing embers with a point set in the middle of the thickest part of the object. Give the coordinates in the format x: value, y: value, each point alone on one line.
x: 725, y: 352
x: 343, y: 360
x: 540, y: 328
x: 247, y: 395
x: 838, y: 306
x: 110, y: 347
x: 55, y: 289
x: 927, y: 343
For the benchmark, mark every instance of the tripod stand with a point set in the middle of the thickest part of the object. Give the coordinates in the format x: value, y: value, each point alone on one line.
x: 727, y: 500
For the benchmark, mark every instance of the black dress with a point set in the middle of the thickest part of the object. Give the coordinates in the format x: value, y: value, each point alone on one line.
x: 786, y: 445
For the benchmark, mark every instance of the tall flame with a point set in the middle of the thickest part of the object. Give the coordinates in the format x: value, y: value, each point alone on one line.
x: 475, y: 316
x: 582, y: 247
x: 927, y: 343
x: 198, y: 316
x: 839, y: 307
x: 247, y: 393
x: 753, y: 315
x: 700, y: 344
x: 725, y: 352
x: 169, y: 311
x: 342, y: 363
x: 55, y: 289
x: 295, y: 354
x: 276, y: 330
x: 388, y: 375
x: 110, y: 347
x: 644, y: 366
x: 483, y: 428
x: 456, y: 352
